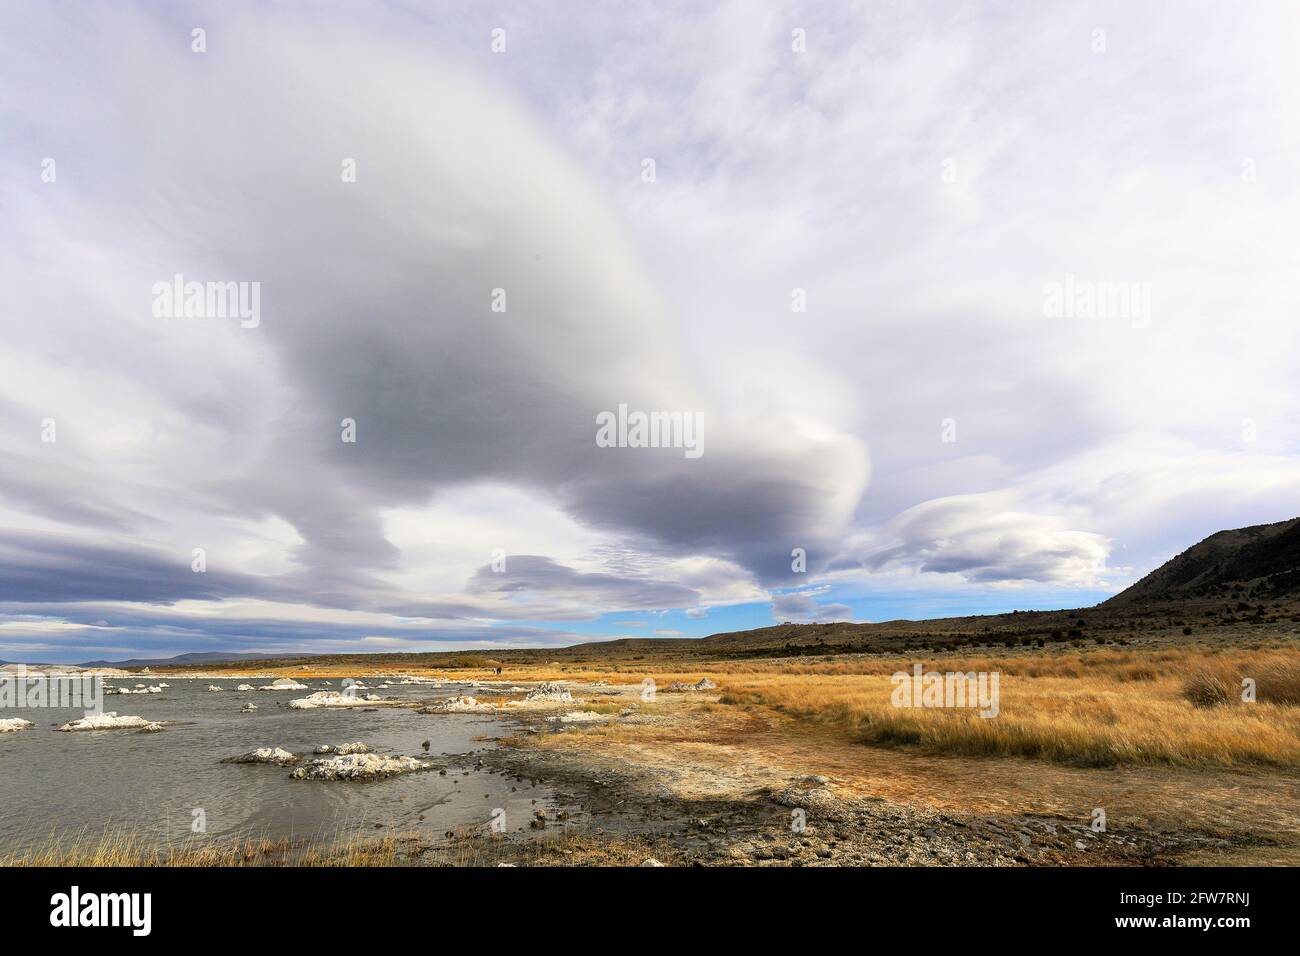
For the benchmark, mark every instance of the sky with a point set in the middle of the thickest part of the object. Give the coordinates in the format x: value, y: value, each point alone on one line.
x: 972, y: 308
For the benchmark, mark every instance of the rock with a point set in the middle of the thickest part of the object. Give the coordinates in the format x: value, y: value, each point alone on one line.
x: 284, y: 683
x: 358, y: 767
x: 809, y: 796
x: 271, y: 755
x: 549, y: 691
x: 245, y: 687
x: 343, y: 750
x: 455, y: 705
x: 651, y: 861
x: 110, y: 721
x: 702, y: 684
x: 328, y: 698
x: 248, y: 708
x: 215, y: 687
x: 9, y: 725
x: 579, y: 717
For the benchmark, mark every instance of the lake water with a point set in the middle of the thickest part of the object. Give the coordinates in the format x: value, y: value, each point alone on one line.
x: 151, y: 783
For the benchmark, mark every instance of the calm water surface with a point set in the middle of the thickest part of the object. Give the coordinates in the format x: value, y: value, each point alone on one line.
x: 150, y: 784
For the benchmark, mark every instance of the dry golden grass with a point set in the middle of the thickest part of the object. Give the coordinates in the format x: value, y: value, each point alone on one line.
x: 123, y: 849
x: 129, y: 849
x: 1276, y: 677
x: 1092, y: 705
x: 1094, y: 709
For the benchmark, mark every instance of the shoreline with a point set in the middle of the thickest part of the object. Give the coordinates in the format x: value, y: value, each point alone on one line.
x: 725, y: 775
x: 620, y: 801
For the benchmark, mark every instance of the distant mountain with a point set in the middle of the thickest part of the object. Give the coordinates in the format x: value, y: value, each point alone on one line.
x: 205, y: 657
x: 1263, y: 559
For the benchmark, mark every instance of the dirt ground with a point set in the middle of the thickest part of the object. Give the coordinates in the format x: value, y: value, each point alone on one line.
x: 686, y: 780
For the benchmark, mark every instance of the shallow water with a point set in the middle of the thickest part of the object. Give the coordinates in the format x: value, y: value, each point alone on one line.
x: 151, y: 784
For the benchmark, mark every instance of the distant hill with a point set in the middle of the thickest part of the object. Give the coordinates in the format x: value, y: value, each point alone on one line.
x: 205, y: 657
x: 1262, y: 560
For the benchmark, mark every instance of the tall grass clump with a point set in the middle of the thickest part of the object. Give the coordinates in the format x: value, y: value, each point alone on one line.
x: 1219, y: 682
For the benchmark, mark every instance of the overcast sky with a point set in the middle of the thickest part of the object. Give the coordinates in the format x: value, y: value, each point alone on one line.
x: 832, y: 234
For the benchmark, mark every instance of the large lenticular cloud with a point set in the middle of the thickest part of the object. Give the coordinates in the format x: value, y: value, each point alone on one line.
x: 375, y: 299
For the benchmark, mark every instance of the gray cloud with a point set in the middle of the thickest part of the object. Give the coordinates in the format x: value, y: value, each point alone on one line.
x: 376, y: 296
x: 36, y: 567
x: 521, y: 172
x: 527, y: 578
x: 801, y: 608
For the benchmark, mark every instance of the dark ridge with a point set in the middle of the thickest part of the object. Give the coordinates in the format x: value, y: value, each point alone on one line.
x: 1262, y: 561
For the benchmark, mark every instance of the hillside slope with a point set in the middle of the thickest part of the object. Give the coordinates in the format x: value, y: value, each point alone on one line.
x: 1262, y: 559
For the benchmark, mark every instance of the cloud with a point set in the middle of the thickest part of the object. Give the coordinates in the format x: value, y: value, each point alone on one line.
x: 978, y: 538
x: 531, y: 578
x: 37, y: 568
x: 375, y: 301
x: 915, y: 182
x: 799, y: 607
